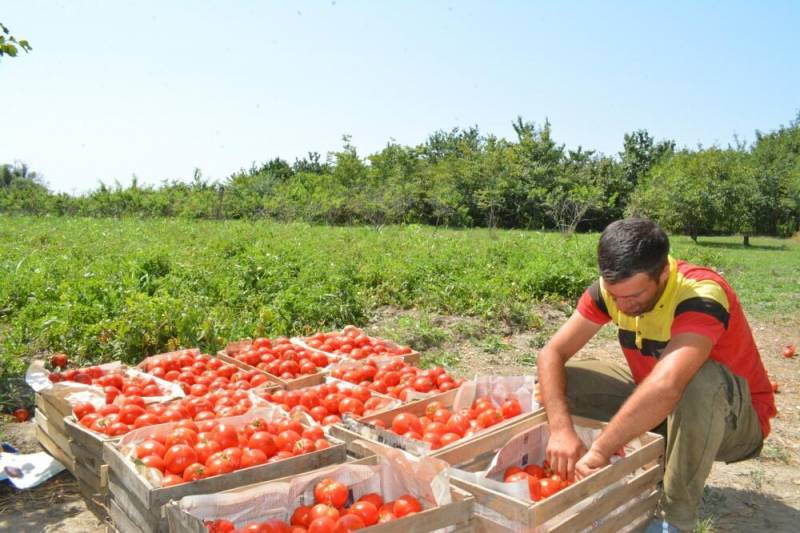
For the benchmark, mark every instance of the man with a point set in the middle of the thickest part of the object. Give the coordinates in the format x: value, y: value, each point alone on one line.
x: 695, y: 372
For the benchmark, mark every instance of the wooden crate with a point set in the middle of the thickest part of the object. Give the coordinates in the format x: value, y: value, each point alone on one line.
x: 353, y: 430
x: 457, y: 516
x: 142, y: 504
x: 54, y: 408
x: 636, y: 477
x: 87, y: 449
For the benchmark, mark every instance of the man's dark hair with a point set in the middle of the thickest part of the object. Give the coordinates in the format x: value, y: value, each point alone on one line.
x: 630, y: 246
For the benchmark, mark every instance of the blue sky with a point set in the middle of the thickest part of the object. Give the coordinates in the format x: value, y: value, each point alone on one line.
x: 157, y: 89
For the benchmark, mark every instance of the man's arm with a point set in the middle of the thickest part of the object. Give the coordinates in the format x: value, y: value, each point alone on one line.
x: 564, y: 447
x: 652, y: 401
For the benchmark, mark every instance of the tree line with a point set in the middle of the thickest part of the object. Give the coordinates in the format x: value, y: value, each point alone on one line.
x: 463, y: 178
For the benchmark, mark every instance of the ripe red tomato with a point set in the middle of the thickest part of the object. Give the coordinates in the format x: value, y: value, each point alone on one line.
x: 194, y: 472
x: 535, y: 471
x: 511, y: 408
x: 226, y: 435
x: 374, y: 498
x: 789, y: 351
x: 322, y: 510
x: 181, y: 435
x: 82, y: 409
x: 178, y: 457
x: 331, y: 492
x: 349, y: 522
x: 150, y: 447
x: 405, y: 422
x: 153, y: 461
x: 21, y: 415
x: 323, y: 524
x: 261, y: 440
x: 549, y: 487
x: 220, y: 526
x: 252, y: 457
x: 366, y: 510
x: 301, y: 516
x: 405, y: 505
x: 59, y: 360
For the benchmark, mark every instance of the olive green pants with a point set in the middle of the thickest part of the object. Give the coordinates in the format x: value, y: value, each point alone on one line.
x: 714, y: 420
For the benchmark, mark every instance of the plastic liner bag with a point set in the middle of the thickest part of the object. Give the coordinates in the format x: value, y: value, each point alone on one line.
x: 396, y: 473
x: 37, y: 376
x: 499, y: 389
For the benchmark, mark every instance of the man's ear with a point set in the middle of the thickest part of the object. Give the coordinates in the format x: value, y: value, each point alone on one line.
x: 664, y: 276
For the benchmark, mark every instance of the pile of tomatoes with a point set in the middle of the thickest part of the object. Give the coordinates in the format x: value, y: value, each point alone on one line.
x: 327, y: 403
x: 199, y: 373
x: 397, y: 378
x: 130, y: 412
x: 329, y: 514
x: 281, y: 358
x: 439, y: 426
x: 354, y: 344
x: 542, y: 483
x: 197, y: 450
x: 114, y: 382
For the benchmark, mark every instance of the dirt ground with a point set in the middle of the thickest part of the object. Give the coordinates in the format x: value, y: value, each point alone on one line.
x: 757, y: 495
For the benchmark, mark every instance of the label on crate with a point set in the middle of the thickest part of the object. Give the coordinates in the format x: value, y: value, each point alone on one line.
x: 382, y: 436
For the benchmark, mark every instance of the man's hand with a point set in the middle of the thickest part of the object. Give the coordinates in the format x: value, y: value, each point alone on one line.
x: 564, y: 448
x: 590, y: 463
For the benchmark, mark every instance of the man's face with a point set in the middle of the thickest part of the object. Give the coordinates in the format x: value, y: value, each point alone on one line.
x: 639, y: 293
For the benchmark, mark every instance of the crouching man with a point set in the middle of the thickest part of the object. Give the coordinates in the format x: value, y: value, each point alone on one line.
x: 694, y: 373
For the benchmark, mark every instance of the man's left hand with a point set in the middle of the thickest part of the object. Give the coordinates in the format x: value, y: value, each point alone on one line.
x: 590, y: 463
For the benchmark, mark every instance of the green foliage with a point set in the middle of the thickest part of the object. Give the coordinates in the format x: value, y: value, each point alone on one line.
x: 9, y: 45
x: 462, y: 178
x: 705, y: 192
x: 104, y: 289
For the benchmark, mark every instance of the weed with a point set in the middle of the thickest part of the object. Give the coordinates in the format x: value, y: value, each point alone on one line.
x: 443, y: 358
x: 494, y: 344
x: 528, y: 359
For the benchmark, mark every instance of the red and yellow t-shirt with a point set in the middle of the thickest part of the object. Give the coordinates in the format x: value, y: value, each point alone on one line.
x: 695, y: 300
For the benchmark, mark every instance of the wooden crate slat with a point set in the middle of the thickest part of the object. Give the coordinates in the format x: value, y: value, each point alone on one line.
x: 645, y: 506
x: 54, y: 413
x: 52, y: 448
x: 122, y: 524
x: 83, y: 437
x: 145, y: 520
x: 58, y: 436
x: 613, y: 500
x: 98, y: 481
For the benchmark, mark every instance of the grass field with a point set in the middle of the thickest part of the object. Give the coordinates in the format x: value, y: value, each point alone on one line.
x: 104, y: 289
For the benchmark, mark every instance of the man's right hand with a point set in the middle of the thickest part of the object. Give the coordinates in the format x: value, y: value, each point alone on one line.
x: 564, y: 448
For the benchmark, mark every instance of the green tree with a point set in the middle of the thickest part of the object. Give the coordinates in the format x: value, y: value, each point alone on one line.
x: 10, y: 45
x: 709, y: 191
